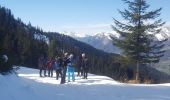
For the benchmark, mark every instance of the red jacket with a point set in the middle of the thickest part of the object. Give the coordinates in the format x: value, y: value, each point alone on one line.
x: 49, y: 64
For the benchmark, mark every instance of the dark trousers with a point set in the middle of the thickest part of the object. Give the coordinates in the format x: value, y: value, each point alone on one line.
x: 85, y: 73
x: 50, y: 72
x: 80, y: 71
x: 63, y: 78
x: 41, y: 69
x: 58, y: 72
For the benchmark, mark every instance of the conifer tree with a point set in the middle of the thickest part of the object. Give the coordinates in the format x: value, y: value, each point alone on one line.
x: 52, y: 49
x: 137, y: 33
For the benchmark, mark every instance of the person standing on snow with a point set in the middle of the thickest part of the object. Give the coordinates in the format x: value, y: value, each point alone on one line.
x: 45, y: 60
x: 58, y: 66
x: 50, y: 67
x: 85, y: 66
x: 64, y: 67
x: 79, y: 67
x: 70, y: 68
x: 40, y: 65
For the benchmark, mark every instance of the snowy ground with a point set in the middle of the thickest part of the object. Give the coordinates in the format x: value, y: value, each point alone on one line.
x: 29, y: 86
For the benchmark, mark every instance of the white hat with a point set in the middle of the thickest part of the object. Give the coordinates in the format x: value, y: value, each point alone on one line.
x: 83, y: 55
x: 5, y: 57
x: 71, y: 56
x: 65, y: 54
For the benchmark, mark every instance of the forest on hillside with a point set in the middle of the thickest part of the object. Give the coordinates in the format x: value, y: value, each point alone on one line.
x: 24, y: 44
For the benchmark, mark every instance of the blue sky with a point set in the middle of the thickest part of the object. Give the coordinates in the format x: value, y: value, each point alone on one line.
x: 82, y: 16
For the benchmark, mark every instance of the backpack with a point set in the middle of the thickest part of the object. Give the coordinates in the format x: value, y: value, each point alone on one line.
x: 56, y: 65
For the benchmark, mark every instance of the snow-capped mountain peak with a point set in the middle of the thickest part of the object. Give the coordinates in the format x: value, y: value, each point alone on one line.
x: 100, y: 41
x: 103, y: 41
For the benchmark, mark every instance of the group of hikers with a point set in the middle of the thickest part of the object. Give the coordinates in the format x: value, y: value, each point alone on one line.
x: 63, y: 65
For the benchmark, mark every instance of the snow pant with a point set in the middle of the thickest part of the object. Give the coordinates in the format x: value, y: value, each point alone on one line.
x: 85, y: 73
x: 41, y: 69
x: 70, y: 70
x: 63, y: 75
x: 50, y: 72
x: 80, y: 71
x: 58, y: 71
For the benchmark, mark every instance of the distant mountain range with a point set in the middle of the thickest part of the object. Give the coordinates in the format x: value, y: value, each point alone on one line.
x: 100, y: 41
x: 103, y: 42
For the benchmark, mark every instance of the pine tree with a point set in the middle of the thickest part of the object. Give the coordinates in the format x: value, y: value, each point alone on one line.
x: 136, y: 40
x: 52, y: 49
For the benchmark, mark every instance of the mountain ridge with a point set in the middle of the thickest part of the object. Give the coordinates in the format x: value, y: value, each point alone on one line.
x: 103, y: 41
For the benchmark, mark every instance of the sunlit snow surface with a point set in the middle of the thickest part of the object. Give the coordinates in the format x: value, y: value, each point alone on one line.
x: 92, y: 79
x: 29, y: 86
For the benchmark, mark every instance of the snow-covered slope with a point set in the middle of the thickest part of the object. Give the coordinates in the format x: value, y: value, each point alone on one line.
x: 29, y: 86
x: 92, y: 79
x: 39, y: 36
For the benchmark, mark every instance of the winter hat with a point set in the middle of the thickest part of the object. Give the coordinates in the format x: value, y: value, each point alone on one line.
x: 83, y: 54
x: 65, y: 54
x: 71, y: 56
x: 5, y: 57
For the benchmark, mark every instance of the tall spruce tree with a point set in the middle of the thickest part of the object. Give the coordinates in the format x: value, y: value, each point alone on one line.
x: 137, y: 33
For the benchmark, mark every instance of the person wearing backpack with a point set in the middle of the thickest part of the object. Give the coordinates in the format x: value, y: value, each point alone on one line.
x: 70, y: 68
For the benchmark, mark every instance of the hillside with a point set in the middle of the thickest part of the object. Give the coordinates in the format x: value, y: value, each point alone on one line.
x: 29, y: 86
x: 24, y: 44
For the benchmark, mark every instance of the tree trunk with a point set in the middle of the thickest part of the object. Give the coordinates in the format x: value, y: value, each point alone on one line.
x: 137, y: 71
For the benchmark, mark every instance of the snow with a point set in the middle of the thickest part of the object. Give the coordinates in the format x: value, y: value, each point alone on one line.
x: 92, y: 79
x: 29, y: 86
x: 39, y: 36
